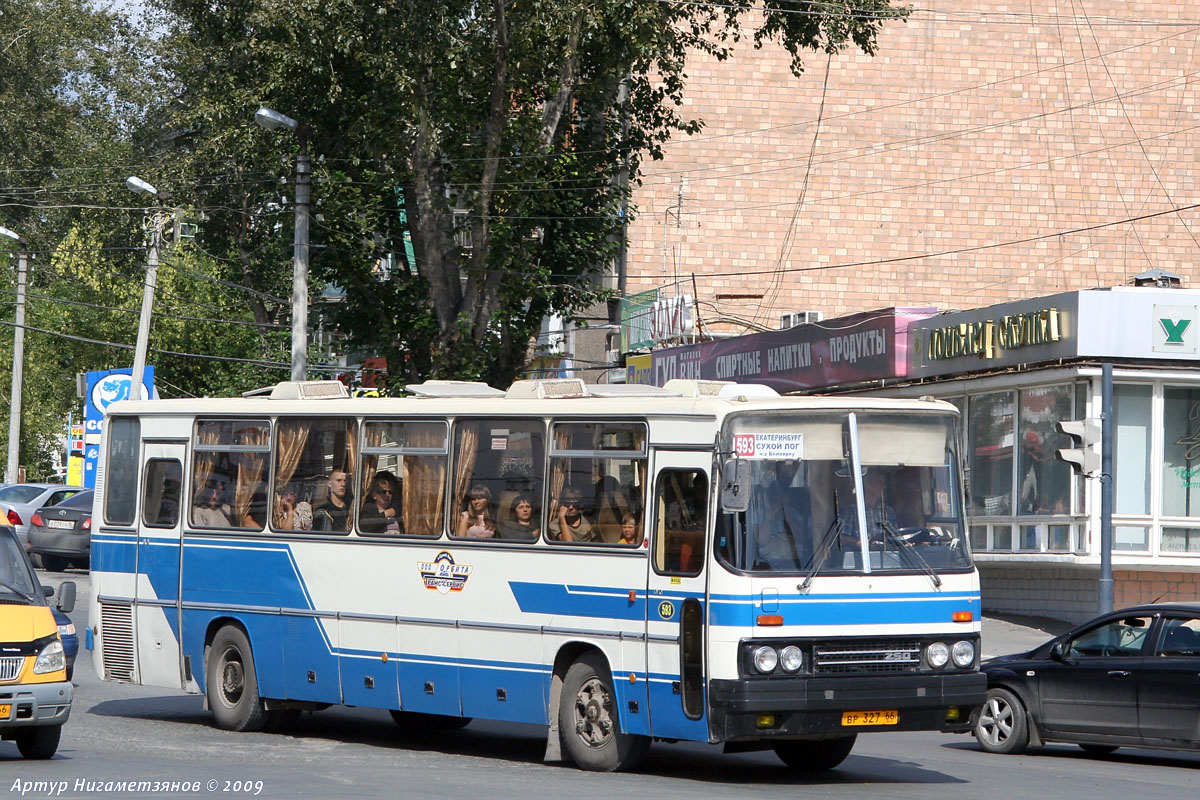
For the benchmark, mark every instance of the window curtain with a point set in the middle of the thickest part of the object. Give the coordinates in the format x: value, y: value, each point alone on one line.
x: 249, y: 472
x: 204, y: 462
x: 373, y: 437
x: 558, y: 468
x: 292, y: 437
x: 423, y: 483
x: 464, y: 463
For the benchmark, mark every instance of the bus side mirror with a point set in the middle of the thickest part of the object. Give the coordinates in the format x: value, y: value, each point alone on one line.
x: 735, y: 485
x: 66, y: 597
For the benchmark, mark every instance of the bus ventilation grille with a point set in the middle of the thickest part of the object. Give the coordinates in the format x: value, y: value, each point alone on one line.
x: 116, y: 638
x: 866, y: 658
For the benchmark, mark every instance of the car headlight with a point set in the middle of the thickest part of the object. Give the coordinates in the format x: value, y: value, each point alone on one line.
x: 963, y: 654
x: 937, y: 654
x: 51, y: 659
x: 765, y: 659
x: 67, y: 630
x: 791, y: 658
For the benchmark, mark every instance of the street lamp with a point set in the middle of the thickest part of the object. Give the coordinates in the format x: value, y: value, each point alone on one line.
x: 273, y: 120
x: 18, y: 368
x: 137, y: 185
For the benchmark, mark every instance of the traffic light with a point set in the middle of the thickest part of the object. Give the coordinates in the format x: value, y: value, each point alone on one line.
x: 1085, y: 455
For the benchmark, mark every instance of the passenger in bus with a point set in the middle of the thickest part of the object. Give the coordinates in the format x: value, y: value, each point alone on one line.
x: 334, y: 513
x: 379, y: 514
x: 570, y: 525
x: 881, y: 516
x: 611, y: 508
x: 520, y: 524
x: 208, y: 510
x: 292, y: 513
x: 779, y: 520
x: 630, y: 535
x: 476, y: 520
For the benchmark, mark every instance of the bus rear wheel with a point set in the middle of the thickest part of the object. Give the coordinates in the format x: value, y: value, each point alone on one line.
x: 812, y: 756
x: 232, y: 683
x: 588, y: 723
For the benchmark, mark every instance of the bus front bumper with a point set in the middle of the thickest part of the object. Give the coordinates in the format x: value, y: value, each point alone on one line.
x: 797, y: 707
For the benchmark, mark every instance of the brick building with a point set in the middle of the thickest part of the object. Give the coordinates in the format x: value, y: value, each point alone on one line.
x: 988, y: 152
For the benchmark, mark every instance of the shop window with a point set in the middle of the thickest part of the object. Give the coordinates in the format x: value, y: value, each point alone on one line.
x: 1029, y: 541
x: 1181, y: 453
x: 1002, y: 537
x: 1130, y: 537
x: 1044, y: 482
x: 1131, y: 449
x: 979, y: 538
x: 1180, y: 540
x: 1058, y: 538
x: 990, y: 433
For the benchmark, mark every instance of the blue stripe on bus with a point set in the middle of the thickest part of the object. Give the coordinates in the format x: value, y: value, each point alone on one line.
x: 577, y: 601
x: 849, y: 610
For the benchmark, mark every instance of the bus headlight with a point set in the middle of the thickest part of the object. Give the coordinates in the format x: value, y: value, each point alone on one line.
x: 765, y: 659
x: 791, y: 658
x: 51, y: 659
x: 963, y: 654
x: 937, y: 654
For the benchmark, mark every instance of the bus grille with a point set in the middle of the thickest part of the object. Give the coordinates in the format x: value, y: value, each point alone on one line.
x: 116, y: 637
x: 10, y: 667
x: 866, y: 657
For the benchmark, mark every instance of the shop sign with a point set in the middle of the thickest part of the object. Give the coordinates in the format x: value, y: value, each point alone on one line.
x: 989, y: 338
x: 1174, y: 329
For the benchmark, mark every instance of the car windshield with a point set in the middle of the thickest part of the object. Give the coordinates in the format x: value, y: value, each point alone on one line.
x: 16, y: 579
x: 82, y: 500
x: 20, y: 493
x: 802, y: 508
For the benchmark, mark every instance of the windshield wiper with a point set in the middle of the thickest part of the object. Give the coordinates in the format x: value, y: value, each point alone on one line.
x: 6, y: 587
x: 822, y: 551
x: 906, y: 547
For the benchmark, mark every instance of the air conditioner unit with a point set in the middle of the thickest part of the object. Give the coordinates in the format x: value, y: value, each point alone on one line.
x: 798, y: 318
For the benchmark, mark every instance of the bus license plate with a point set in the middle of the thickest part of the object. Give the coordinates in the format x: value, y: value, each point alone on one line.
x: 5, y: 710
x: 889, y: 717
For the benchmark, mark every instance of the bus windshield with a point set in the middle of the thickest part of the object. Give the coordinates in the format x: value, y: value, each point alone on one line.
x: 843, y: 492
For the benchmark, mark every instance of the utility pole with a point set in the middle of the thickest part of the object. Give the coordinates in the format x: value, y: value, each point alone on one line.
x: 143, y: 336
x: 18, y: 367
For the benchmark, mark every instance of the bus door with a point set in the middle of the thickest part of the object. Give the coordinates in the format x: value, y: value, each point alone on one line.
x: 676, y: 606
x: 157, y: 617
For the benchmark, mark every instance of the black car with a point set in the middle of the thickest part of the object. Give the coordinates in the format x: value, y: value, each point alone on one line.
x: 1127, y: 678
x: 62, y: 534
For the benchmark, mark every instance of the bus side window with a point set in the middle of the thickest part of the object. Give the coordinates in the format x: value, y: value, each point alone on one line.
x: 403, y: 477
x: 681, y: 505
x: 497, y: 461
x: 314, y: 474
x: 605, y: 464
x: 229, y: 473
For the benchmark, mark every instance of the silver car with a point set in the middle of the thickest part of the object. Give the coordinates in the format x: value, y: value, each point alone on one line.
x: 18, y: 501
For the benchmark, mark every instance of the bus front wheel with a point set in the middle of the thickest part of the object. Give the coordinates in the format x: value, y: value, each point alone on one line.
x: 232, y: 683
x: 811, y: 756
x: 588, y: 723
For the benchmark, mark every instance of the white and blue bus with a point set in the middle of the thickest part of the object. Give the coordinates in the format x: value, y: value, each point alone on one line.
x: 704, y: 561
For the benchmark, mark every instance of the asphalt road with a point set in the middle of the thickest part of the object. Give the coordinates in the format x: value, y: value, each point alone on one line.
x: 133, y: 733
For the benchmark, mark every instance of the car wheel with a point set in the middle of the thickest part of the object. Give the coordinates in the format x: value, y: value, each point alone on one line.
x: 1003, y: 726
x: 54, y: 563
x: 232, y: 683
x: 813, y: 756
x: 39, y: 742
x: 417, y: 721
x: 588, y: 723
x: 1098, y: 749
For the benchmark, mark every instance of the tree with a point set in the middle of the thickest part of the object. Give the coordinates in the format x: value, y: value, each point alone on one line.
x: 498, y: 138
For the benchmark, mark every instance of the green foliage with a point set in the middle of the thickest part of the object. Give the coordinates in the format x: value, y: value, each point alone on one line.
x: 513, y: 130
